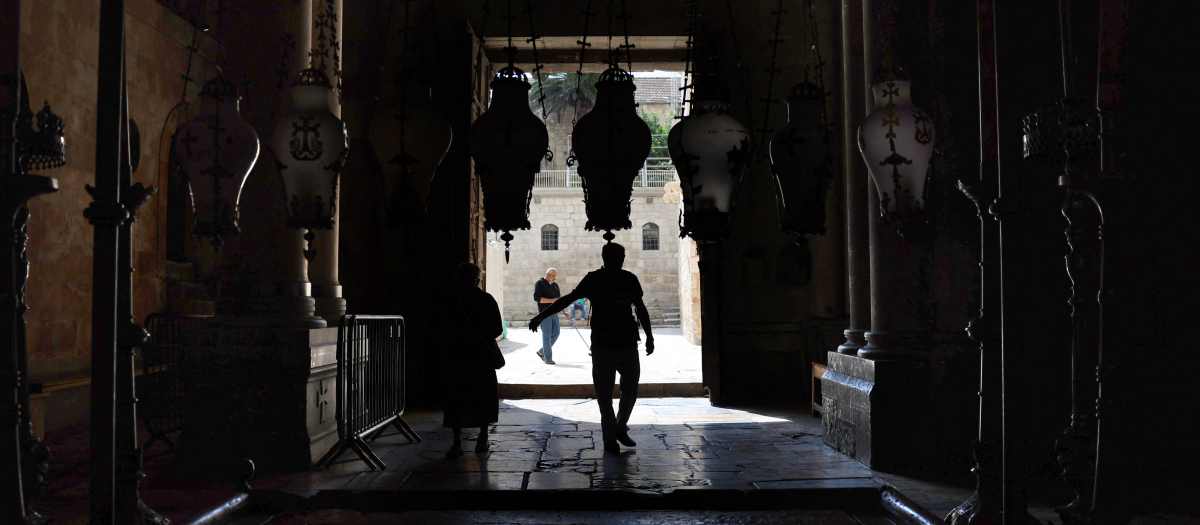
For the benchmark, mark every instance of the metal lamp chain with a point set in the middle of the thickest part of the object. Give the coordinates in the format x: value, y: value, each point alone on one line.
x: 437, y: 46
x: 537, y: 65
x: 479, y: 53
x: 583, y: 45
x: 688, y: 79
x: 406, y: 56
x: 771, y: 71
x: 745, y: 77
x: 627, y: 47
x: 818, y: 62
x: 611, y: 60
x: 508, y: 17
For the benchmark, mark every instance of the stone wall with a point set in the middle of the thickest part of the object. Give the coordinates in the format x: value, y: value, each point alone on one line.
x: 689, y: 277
x: 579, y: 250
x: 59, y: 56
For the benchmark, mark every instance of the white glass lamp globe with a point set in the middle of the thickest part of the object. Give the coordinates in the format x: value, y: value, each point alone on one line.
x: 310, y: 148
x: 710, y: 150
x: 410, y: 139
x: 896, y: 141
x: 217, y: 150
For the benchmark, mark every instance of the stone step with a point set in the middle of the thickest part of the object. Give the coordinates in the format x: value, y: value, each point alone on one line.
x: 645, y: 390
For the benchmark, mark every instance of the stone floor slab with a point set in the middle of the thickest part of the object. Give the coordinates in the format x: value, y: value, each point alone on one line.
x: 559, y: 480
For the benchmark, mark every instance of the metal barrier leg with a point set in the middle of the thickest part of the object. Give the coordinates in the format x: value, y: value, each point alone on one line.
x: 368, y: 456
x: 332, y: 455
x: 408, y: 432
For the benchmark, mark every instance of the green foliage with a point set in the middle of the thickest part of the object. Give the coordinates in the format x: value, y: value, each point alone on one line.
x: 658, y: 132
x: 561, y: 97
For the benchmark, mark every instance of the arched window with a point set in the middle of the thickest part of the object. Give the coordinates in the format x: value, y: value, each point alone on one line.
x: 549, y: 237
x: 650, y: 236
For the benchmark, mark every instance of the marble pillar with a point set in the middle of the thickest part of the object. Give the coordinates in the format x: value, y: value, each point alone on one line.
x: 868, y: 389
x: 858, y: 265
x: 898, y: 295
x: 264, y: 275
x: 323, y: 270
x: 261, y: 383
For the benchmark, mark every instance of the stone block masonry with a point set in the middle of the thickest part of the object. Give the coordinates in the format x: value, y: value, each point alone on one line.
x: 579, y: 250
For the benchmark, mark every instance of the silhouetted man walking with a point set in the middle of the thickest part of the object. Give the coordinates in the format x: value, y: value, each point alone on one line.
x: 614, y: 338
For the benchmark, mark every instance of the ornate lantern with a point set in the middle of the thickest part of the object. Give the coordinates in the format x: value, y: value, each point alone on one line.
x: 217, y: 150
x: 410, y: 140
x: 801, y: 155
x: 1066, y: 133
x: 508, y: 143
x: 38, y: 149
x: 611, y: 145
x: 310, y: 149
x: 710, y: 150
x: 896, y: 141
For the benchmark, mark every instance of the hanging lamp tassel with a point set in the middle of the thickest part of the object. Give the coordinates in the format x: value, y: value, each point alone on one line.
x: 506, y: 237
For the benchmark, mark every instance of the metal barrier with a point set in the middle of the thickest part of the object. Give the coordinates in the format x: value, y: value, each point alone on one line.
x: 160, y: 390
x: 370, y: 385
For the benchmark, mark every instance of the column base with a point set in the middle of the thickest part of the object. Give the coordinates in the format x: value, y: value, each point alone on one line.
x: 267, y: 394
x: 900, y: 414
x: 330, y: 306
x: 855, y: 340
x: 892, y: 345
x: 267, y: 305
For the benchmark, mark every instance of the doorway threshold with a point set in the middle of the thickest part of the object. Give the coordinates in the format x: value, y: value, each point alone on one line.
x: 587, y: 391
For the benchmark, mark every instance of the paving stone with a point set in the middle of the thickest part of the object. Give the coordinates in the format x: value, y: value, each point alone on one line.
x: 569, y: 443
x: 849, y: 473
x: 464, y: 481
x: 633, y: 452
x: 559, y: 454
x: 454, y: 465
x: 380, y: 480
x: 674, y: 361
x: 819, y: 484
x: 778, y: 475
x: 559, y: 480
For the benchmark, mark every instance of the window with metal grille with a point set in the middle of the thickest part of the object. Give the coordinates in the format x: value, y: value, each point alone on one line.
x: 650, y: 236
x: 549, y: 237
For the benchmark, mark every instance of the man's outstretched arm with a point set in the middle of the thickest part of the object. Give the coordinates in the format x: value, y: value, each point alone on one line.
x: 643, y: 316
x: 557, y: 306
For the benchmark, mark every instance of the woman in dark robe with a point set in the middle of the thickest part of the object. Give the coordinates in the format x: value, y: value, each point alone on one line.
x: 472, y: 395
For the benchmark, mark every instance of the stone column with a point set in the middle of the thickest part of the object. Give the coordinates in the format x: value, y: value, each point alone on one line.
x: 323, y: 270
x: 855, y: 173
x: 828, y: 299
x: 264, y: 281
x: 896, y: 265
x: 261, y: 383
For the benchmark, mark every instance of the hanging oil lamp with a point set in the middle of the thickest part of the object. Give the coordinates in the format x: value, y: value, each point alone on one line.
x: 802, y: 153
x: 508, y: 143
x: 217, y: 150
x: 310, y: 150
x: 410, y: 139
x: 896, y: 141
x: 710, y: 150
x: 611, y: 145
